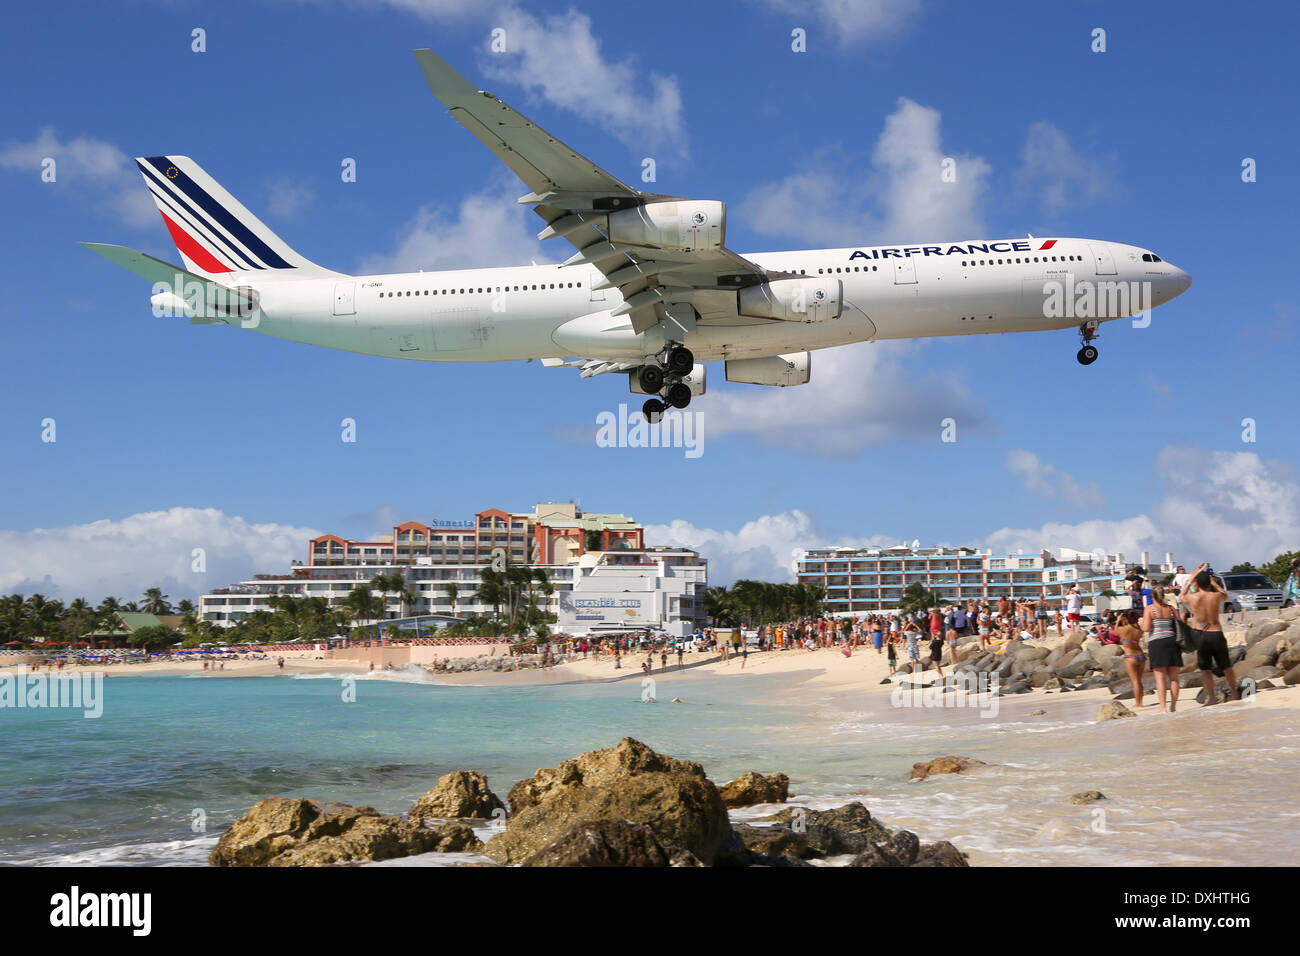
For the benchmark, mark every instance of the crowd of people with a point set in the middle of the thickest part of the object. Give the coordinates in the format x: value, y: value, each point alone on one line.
x: 1184, y: 616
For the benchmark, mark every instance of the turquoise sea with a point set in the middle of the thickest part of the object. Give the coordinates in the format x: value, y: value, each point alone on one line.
x: 173, y: 760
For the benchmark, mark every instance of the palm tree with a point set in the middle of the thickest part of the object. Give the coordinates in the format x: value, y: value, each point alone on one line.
x: 409, y: 599
x: 452, y: 590
x: 491, y: 590
x: 155, y: 602
x: 386, y: 584
x: 363, y: 604
x: 185, y: 606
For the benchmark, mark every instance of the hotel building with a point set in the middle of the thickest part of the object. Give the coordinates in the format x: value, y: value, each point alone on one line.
x: 429, y: 557
x: 859, y: 581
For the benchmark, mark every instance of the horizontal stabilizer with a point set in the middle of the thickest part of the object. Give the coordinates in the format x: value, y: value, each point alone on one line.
x: 205, y: 302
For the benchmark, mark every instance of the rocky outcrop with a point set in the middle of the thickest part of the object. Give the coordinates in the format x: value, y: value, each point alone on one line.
x: 800, y: 834
x: 1262, y: 629
x: 752, y: 787
x: 1113, y: 710
x: 1087, y: 796
x: 284, y: 832
x: 603, y: 843
x: 632, y: 782
x: 944, y: 765
x: 459, y: 794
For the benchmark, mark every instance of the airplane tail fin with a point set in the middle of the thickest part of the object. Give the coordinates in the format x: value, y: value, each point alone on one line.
x: 213, y: 231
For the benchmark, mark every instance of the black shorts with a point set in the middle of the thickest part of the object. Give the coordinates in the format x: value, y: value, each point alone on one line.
x: 963, y: 631
x: 1164, y: 652
x: 1212, y: 651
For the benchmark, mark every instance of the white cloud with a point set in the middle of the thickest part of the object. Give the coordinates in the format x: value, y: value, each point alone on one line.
x: 288, y: 198
x: 858, y: 395
x: 1058, y: 174
x: 1221, y: 507
x: 151, y: 549
x: 853, y: 21
x: 1046, y: 480
x: 901, y: 198
x: 1218, y: 506
x: 86, y: 166
x: 559, y: 59
x: 763, y: 549
x: 487, y: 229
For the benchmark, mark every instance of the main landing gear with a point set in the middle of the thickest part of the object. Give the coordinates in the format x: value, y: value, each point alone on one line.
x: 665, y: 380
x: 1087, y: 332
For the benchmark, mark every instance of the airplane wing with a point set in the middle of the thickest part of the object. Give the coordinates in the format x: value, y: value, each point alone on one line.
x: 575, y: 198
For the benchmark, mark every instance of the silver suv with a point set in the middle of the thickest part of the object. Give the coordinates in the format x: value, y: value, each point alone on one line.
x: 1249, y: 591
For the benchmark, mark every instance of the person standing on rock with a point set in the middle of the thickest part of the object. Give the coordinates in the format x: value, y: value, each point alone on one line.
x: 1040, y: 619
x: 1205, y: 601
x: 1166, y: 657
x: 985, y: 621
x: 936, y: 654
x: 1073, y: 606
x: 1291, y: 593
x: 1135, y: 662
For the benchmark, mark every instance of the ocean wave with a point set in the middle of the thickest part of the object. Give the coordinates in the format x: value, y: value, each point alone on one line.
x: 166, y: 853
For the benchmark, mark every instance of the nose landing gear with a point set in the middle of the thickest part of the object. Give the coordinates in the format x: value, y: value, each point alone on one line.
x: 1087, y: 332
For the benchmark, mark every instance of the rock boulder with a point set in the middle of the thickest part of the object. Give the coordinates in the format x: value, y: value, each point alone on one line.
x: 944, y: 765
x: 752, y: 787
x: 461, y: 793
x: 631, y: 782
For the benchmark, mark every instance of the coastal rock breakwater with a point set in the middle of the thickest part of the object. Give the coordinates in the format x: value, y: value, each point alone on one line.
x: 621, y: 806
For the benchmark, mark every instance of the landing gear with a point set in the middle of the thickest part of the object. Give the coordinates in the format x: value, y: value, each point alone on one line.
x: 678, y: 396
x: 666, y: 380
x: 681, y: 361
x: 1087, y: 332
x: 650, y: 378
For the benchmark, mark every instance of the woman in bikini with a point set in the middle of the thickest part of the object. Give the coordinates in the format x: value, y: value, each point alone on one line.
x: 1166, y: 658
x: 1135, y: 662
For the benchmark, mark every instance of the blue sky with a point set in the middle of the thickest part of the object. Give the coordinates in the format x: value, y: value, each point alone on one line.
x: 176, y: 436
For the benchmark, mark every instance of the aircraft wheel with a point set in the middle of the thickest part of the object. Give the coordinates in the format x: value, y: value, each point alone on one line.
x: 653, y: 410
x: 650, y: 378
x: 681, y: 360
x: 1087, y: 355
x: 679, y: 395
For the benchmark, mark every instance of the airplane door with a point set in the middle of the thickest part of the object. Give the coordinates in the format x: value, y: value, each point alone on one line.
x: 597, y: 295
x: 344, y: 303
x: 1102, y: 259
x: 904, y: 272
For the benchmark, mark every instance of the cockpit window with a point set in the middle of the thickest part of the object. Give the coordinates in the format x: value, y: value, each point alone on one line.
x: 1151, y: 257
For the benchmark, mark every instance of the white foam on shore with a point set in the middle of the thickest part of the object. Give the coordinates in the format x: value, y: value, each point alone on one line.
x: 406, y: 674
x: 166, y: 853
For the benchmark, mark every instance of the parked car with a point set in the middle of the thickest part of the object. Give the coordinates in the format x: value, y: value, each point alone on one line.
x: 1250, y: 591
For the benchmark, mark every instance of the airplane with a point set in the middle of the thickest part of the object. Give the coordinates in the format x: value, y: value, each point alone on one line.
x: 652, y: 292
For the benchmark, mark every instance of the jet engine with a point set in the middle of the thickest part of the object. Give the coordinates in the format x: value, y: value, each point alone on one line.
x: 682, y: 225
x: 779, y: 370
x: 806, y: 299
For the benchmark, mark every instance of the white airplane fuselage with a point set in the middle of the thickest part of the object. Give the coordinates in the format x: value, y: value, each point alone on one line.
x: 552, y: 311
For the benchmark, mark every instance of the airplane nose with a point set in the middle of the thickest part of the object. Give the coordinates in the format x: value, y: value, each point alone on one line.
x: 1178, y: 283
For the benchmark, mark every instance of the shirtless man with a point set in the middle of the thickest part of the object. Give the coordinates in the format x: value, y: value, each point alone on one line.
x: 1212, y: 651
